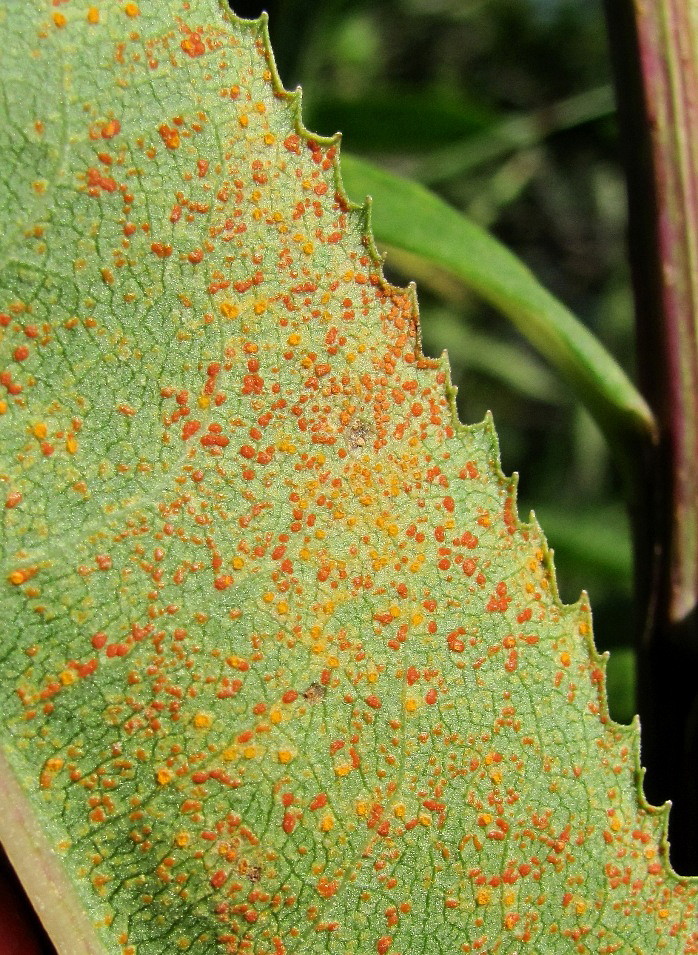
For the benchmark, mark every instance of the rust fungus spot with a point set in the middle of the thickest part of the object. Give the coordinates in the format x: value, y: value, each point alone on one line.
x: 315, y: 692
x: 193, y: 45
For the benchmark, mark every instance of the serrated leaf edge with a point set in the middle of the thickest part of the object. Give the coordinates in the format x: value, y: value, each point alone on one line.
x: 580, y: 609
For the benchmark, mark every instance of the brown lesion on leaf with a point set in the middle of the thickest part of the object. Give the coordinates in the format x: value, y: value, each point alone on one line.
x: 315, y: 693
x: 359, y: 436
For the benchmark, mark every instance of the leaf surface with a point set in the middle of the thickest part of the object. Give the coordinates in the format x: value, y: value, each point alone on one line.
x: 282, y: 671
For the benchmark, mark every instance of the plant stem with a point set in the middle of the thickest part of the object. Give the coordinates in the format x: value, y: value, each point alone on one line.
x: 20, y: 928
x: 655, y: 51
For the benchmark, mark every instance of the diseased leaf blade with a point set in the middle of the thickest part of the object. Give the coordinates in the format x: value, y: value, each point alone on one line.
x: 283, y: 672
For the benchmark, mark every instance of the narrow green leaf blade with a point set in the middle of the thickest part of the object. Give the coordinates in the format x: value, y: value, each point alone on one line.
x: 409, y: 217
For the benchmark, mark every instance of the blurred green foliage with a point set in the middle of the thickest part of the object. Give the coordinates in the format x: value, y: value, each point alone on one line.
x: 504, y: 107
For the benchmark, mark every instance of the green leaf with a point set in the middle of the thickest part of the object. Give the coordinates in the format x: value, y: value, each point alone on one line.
x: 489, y: 355
x: 281, y: 669
x: 408, y: 217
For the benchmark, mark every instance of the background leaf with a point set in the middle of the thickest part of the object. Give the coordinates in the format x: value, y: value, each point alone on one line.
x: 411, y: 218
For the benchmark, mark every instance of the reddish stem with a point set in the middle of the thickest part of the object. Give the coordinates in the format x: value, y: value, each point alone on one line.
x: 655, y: 51
x: 21, y: 932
